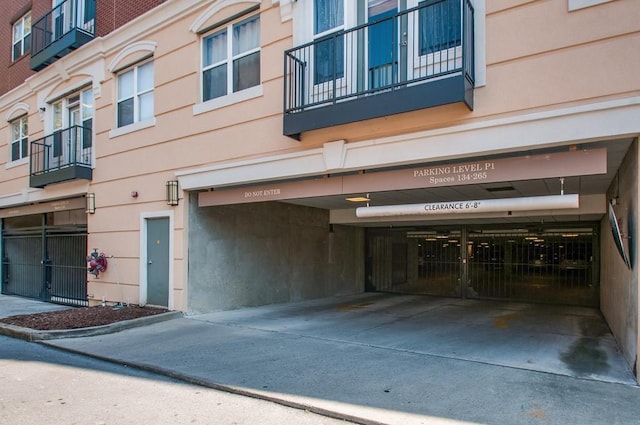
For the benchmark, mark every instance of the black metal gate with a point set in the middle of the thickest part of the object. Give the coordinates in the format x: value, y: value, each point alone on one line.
x: 554, y: 264
x: 545, y: 265
x: 414, y: 261
x: 46, y: 263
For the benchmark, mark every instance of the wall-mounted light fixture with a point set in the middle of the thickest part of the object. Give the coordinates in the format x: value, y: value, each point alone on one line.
x: 172, y: 192
x: 91, y: 203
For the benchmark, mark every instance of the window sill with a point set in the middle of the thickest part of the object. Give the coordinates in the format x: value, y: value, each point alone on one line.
x: 136, y: 126
x: 581, y: 4
x: 227, y: 100
x: 20, y: 58
x: 17, y: 163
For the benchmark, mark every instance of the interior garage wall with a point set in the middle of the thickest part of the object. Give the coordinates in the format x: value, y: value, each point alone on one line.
x: 619, y: 284
x: 267, y: 253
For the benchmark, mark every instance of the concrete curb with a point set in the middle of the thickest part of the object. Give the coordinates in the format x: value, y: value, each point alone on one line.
x: 38, y: 335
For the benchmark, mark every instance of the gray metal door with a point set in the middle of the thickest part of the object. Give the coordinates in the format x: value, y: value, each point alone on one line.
x: 158, y: 261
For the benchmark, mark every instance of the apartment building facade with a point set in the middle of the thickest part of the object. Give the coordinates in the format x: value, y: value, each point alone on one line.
x: 234, y: 153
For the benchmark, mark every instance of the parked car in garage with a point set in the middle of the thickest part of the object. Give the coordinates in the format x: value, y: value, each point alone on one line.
x: 574, y: 264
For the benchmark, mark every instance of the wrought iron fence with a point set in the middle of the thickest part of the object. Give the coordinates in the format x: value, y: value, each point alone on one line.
x: 542, y: 264
x: 63, y: 148
x: 46, y: 264
x: 430, y: 41
x: 22, y: 268
x: 62, y: 19
x: 67, y: 268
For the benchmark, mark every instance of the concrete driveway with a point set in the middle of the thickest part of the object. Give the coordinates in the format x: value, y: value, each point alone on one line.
x: 401, y: 360
x: 563, y: 340
x: 571, y: 341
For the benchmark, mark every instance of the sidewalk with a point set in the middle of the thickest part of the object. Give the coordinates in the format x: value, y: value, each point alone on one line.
x: 348, y: 360
x: 12, y: 306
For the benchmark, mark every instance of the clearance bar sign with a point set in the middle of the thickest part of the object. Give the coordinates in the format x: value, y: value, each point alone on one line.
x: 529, y: 167
x: 552, y: 202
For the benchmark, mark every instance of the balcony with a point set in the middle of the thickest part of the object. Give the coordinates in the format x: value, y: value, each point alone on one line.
x: 64, y: 155
x: 62, y: 30
x: 418, y: 58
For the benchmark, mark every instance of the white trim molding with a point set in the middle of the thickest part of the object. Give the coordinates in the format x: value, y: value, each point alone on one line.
x: 94, y: 73
x: 45, y: 98
x: 16, y: 163
x: 286, y: 9
x: 202, y: 21
x: 30, y: 195
x: 559, y: 127
x: 141, y: 48
x: 480, y: 43
x: 136, y: 126
x: 16, y: 111
x: 581, y: 4
x: 230, y: 99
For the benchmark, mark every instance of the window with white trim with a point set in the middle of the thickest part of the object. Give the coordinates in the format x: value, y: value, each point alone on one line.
x: 19, y: 138
x: 135, y: 95
x: 431, y: 36
x: 72, y: 122
x: 21, y: 36
x: 231, y: 58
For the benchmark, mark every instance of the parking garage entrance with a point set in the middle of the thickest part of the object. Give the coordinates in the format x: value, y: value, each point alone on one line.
x: 44, y: 257
x: 553, y: 264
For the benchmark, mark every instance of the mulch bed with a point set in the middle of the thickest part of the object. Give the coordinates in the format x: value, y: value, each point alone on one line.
x: 83, y: 317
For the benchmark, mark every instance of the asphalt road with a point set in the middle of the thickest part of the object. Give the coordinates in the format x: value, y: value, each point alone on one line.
x: 41, y: 385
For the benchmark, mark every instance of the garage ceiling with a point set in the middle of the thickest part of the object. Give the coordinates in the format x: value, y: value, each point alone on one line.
x: 585, y: 185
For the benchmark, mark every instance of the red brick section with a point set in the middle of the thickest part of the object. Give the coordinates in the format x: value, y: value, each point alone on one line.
x: 12, y: 73
x: 110, y: 15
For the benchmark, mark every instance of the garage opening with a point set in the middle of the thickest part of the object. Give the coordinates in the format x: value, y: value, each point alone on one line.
x: 44, y: 257
x: 556, y: 265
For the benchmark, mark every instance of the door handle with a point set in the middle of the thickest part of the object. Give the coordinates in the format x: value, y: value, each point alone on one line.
x: 150, y: 262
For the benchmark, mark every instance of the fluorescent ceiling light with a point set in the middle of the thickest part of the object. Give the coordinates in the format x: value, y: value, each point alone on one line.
x: 358, y: 199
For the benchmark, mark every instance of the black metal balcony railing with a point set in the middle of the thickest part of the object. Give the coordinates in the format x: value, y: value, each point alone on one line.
x: 64, y: 155
x: 426, y: 44
x: 64, y: 28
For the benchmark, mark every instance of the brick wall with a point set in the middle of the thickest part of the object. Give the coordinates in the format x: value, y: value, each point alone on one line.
x: 12, y: 73
x: 112, y: 14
